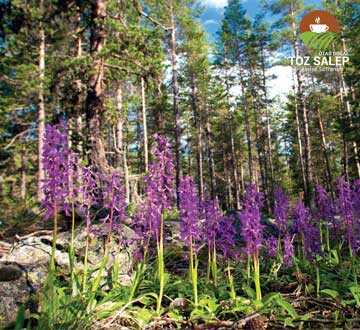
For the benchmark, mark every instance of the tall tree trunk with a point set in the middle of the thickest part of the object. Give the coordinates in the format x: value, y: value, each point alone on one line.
x: 94, y: 98
x: 269, y: 155
x: 79, y: 98
x: 175, y: 102
x: 23, y: 174
x: 210, y: 153
x: 199, y: 144
x: 303, y: 109
x: 234, y: 166
x: 144, y: 122
x: 325, y: 150
x: 344, y: 97
x: 41, y: 108
x: 227, y: 182
x: 301, y: 156
x: 344, y: 93
x: 345, y: 158
x: 249, y: 141
x: 121, y: 148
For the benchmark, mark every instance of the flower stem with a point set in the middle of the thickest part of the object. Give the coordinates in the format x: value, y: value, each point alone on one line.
x: 71, y: 251
x: 193, y: 269
x: 53, y: 249
x: 214, y: 265
x: 317, y: 281
x: 85, y: 263
x: 161, y: 265
x: 208, y: 264
x: 257, y: 276
x: 231, y: 283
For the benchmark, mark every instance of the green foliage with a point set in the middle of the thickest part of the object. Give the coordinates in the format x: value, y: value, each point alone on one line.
x: 319, y: 41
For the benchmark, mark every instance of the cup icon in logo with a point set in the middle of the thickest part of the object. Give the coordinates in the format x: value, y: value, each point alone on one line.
x: 319, y: 28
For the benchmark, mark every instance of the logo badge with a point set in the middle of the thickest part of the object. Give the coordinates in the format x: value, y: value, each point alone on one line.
x: 319, y: 29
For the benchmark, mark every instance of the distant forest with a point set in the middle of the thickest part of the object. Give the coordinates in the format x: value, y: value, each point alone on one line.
x: 118, y: 72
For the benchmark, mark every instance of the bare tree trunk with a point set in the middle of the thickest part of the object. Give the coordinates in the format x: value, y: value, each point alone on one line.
x: 121, y: 148
x: 144, y: 122
x: 79, y: 99
x: 234, y: 166
x: 242, y: 182
x: 344, y: 97
x: 249, y: 143
x: 199, y: 144
x: 211, y: 163
x: 23, y: 174
x: 325, y: 150
x: 345, y: 158
x: 301, y: 157
x: 268, y: 149
x: 175, y: 102
x: 227, y: 182
x: 302, y: 106
x: 41, y: 108
x: 95, y: 99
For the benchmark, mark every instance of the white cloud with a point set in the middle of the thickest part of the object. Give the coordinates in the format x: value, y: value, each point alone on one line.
x: 211, y: 21
x: 282, y: 84
x: 216, y: 3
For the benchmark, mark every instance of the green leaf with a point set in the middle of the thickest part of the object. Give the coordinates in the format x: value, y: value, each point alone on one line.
x: 20, y: 318
x: 249, y: 291
x: 355, y: 291
x: 330, y: 292
x: 318, y: 40
x: 280, y: 301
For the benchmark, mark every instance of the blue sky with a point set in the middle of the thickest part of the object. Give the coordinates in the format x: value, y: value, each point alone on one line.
x: 211, y: 20
x: 212, y: 15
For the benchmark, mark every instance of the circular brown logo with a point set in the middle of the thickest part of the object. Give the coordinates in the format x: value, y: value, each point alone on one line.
x: 319, y: 21
x: 319, y: 29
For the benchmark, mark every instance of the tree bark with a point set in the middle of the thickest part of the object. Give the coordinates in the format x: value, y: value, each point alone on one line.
x: 269, y: 155
x: 325, y: 151
x: 79, y: 98
x: 175, y: 102
x: 94, y: 103
x: 41, y: 108
x: 199, y: 144
x: 305, y: 126
x: 120, y: 146
x: 144, y: 122
x: 298, y: 134
x: 234, y: 166
x: 211, y: 162
x: 23, y: 175
x: 344, y: 97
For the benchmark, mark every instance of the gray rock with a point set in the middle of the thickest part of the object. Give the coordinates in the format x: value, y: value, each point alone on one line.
x: 12, y: 294
x: 24, y: 268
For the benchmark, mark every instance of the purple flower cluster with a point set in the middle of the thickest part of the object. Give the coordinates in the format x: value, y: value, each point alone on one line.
x: 288, y: 250
x: 211, y: 214
x: 271, y: 245
x: 356, y: 198
x: 324, y: 206
x: 309, y: 232
x: 159, y: 191
x: 225, y: 240
x: 189, y: 211
x: 113, y: 201
x: 250, y: 216
x: 159, y: 182
x: 281, y: 210
x: 56, y: 161
x: 88, y: 193
x: 345, y: 208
